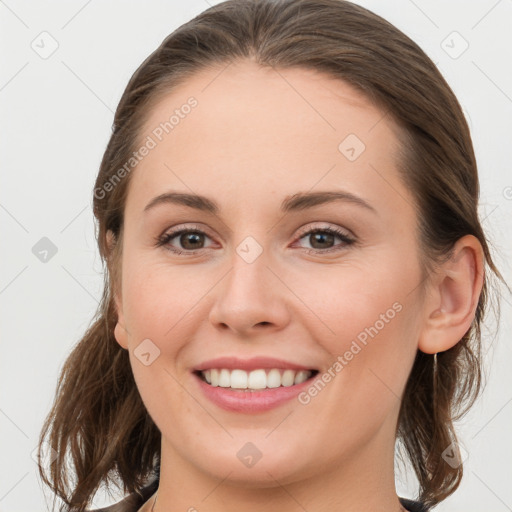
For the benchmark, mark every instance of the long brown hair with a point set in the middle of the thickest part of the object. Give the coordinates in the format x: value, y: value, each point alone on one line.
x: 98, y: 418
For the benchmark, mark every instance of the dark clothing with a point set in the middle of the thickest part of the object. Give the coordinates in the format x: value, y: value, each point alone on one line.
x: 413, y: 506
x: 133, y: 502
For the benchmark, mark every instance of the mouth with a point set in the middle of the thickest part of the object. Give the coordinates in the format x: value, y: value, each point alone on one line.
x: 256, y: 380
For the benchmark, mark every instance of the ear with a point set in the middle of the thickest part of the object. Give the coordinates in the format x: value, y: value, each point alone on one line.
x: 453, y: 295
x: 119, y: 330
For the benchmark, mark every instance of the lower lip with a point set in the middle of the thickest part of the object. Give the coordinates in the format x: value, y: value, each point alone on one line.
x: 251, y: 401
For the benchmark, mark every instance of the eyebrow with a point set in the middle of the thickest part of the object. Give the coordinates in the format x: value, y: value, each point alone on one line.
x: 295, y: 202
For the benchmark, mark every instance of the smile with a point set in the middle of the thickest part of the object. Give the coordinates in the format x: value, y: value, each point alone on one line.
x: 256, y: 379
x: 258, y: 391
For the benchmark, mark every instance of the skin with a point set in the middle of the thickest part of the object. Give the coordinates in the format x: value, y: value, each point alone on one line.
x: 256, y: 137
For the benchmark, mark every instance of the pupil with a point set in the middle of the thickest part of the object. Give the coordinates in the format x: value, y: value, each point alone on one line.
x: 324, y: 236
x: 188, y: 236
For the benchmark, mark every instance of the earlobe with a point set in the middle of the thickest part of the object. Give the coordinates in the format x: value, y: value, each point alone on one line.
x: 453, y: 298
x: 119, y: 330
x: 120, y: 335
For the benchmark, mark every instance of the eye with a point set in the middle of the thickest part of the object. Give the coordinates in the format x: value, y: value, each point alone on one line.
x: 325, y: 236
x: 189, y: 239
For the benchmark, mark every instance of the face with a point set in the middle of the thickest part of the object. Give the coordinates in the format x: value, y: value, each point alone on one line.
x: 330, y: 286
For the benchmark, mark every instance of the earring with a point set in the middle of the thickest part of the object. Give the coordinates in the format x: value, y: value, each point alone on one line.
x: 435, y: 382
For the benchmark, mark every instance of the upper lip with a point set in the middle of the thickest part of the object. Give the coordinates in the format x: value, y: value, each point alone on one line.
x: 254, y: 363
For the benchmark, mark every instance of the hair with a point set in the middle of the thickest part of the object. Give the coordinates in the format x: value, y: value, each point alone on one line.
x: 98, y: 417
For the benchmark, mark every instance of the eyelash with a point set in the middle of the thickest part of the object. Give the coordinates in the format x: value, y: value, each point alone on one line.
x: 164, y: 240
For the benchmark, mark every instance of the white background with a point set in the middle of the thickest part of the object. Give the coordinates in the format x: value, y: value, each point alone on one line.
x: 56, y: 116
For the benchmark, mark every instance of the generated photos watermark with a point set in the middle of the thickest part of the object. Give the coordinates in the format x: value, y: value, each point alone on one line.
x: 151, y: 142
x: 343, y: 360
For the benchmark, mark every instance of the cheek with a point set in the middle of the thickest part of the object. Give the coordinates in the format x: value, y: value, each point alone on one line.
x: 159, y: 306
x: 350, y: 302
x: 367, y: 320
x: 159, y: 298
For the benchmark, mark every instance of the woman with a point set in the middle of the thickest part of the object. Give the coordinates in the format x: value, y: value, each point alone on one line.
x: 232, y: 367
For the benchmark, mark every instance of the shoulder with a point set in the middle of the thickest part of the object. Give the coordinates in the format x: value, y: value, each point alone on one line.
x: 131, y: 503
x: 412, y: 506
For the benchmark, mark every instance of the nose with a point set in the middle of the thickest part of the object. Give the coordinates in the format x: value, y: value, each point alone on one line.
x: 251, y: 297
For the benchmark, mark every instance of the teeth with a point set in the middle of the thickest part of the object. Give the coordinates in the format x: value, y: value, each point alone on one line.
x: 256, y: 379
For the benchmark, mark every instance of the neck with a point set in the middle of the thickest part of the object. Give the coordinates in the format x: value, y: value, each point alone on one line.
x: 363, y: 480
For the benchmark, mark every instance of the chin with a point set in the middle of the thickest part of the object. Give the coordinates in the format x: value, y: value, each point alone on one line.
x: 267, y: 472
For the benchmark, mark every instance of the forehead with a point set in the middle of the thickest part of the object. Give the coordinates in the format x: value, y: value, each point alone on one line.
x: 241, y: 127
x: 245, y: 94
